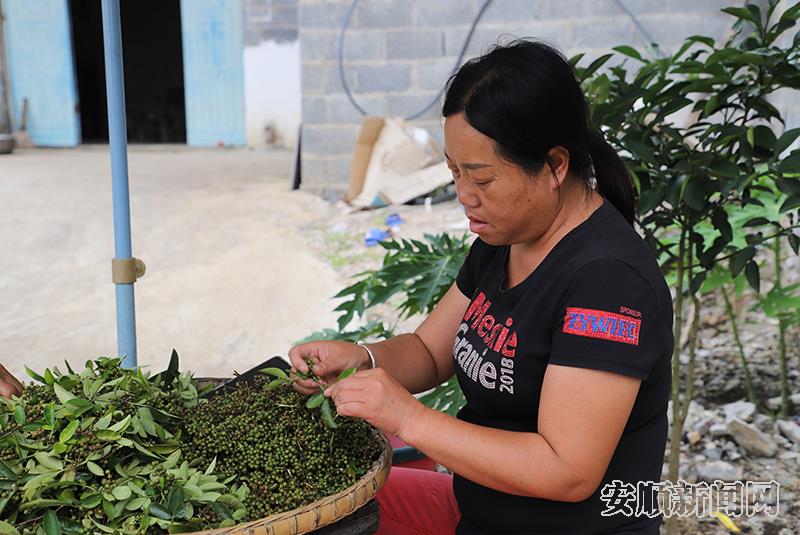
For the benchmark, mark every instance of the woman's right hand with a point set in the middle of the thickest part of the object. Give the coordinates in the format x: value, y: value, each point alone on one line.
x: 330, y: 358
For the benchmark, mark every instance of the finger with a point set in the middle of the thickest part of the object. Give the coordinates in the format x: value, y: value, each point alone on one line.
x: 306, y: 383
x: 304, y: 390
x: 299, y: 353
x: 355, y: 409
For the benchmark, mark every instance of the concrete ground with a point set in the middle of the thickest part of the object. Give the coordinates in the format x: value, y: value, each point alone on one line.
x: 230, y: 278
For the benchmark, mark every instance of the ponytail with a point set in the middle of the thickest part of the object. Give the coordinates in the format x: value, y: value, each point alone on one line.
x: 613, y: 179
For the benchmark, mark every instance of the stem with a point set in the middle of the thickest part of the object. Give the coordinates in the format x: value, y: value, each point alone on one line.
x: 692, y: 353
x: 784, y: 367
x: 778, y: 234
x: 677, y: 425
x: 748, y: 379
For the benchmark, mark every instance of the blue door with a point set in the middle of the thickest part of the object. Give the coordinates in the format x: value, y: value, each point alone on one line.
x: 213, y: 47
x: 40, y: 65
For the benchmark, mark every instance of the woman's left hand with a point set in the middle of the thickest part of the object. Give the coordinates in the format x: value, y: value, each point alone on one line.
x: 375, y: 396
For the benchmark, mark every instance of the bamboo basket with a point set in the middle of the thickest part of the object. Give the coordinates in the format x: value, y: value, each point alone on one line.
x: 321, y: 512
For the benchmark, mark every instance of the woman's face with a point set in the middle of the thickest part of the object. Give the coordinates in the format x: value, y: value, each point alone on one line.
x: 504, y: 204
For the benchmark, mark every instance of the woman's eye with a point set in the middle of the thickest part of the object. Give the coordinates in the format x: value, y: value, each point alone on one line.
x: 484, y: 184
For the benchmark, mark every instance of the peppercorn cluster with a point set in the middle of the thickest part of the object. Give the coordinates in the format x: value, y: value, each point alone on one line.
x: 282, y: 450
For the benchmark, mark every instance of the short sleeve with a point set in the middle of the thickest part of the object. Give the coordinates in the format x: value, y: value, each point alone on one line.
x: 476, y: 261
x: 609, y: 319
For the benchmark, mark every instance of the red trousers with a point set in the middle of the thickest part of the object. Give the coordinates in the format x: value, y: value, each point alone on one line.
x: 417, y: 502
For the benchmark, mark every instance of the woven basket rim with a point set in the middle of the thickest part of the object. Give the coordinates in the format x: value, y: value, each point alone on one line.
x: 375, y: 477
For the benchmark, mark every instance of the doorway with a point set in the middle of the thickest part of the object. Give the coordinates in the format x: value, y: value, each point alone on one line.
x: 152, y: 53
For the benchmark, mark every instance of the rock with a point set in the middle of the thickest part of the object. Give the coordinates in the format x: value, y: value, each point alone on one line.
x: 775, y: 403
x: 713, y: 470
x: 694, y: 437
x: 788, y: 455
x: 790, y: 430
x: 743, y: 410
x: 752, y: 439
x: 718, y: 430
x: 765, y: 423
x: 712, y: 453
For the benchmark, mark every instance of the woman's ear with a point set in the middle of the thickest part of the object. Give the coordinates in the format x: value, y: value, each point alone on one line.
x: 559, y: 165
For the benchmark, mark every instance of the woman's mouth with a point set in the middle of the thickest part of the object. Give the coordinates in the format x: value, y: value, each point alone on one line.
x: 476, y: 225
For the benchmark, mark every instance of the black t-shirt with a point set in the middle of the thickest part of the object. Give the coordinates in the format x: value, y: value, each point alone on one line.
x: 598, y: 300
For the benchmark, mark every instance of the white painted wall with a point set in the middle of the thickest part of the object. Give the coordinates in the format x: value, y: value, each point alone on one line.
x: 272, y: 93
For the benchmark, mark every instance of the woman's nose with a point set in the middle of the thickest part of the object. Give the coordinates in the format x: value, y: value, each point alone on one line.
x: 465, y: 195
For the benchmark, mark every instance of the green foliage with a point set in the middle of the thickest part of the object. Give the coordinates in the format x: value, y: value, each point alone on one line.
x: 99, y: 452
x: 695, y: 129
x: 421, y: 272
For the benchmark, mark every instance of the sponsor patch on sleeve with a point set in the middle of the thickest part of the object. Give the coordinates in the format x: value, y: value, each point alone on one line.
x: 603, y: 325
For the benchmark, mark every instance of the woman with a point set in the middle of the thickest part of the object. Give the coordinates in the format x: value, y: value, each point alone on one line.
x: 558, y: 327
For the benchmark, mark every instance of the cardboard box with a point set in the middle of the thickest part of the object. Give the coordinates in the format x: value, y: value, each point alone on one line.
x: 386, y: 152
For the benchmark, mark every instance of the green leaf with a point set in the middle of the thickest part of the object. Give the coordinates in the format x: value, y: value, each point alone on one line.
x: 91, y: 500
x: 275, y: 382
x: 121, y: 426
x: 327, y: 415
x: 790, y: 164
x: 175, y: 500
x: 752, y: 275
x: 136, y: 503
x: 19, y: 414
x: 51, y: 524
x: 7, y: 529
x: 222, y: 510
x: 794, y: 243
x: 95, y: 469
x: 786, y: 140
x: 122, y: 492
x: 48, y: 461
x: 103, y: 422
x: 315, y: 401
x: 347, y: 373
x: 789, y: 186
x: 49, y: 415
x: 628, y: 51
x: 790, y: 203
x: 62, y: 395
x: 36, y: 377
x: 159, y: 512
x: 68, y: 432
x: 275, y: 372
x: 740, y: 259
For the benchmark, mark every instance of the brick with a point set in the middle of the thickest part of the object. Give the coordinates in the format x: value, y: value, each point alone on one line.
x: 392, y: 77
x: 313, y: 78
x: 407, y: 105
x: 339, y: 169
x: 327, y: 15
x: 437, y: 13
x: 604, y: 33
x: 384, y: 14
x: 327, y: 140
x: 342, y: 111
x: 314, y: 110
x: 433, y: 75
x: 414, y: 44
x: 315, y: 45
x: 361, y: 45
x: 333, y: 80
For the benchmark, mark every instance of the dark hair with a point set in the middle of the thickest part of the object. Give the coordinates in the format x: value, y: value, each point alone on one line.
x: 526, y: 97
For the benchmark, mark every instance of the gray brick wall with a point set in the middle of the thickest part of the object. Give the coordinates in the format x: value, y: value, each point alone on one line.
x: 398, y: 54
x: 270, y: 20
